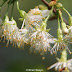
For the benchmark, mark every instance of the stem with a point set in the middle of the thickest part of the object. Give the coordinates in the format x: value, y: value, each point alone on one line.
x: 47, y: 18
x: 65, y: 21
x: 18, y: 5
x: 7, y: 9
x: 58, y: 23
x: 2, y: 4
x: 59, y: 31
x: 6, y: 15
x: 64, y: 55
x: 49, y: 14
x: 60, y: 16
x: 54, y: 10
x: 66, y: 11
x: 46, y: 3
x: 12, y: 11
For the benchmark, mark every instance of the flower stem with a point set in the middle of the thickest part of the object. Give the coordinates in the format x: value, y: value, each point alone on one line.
x: 66, y: 11
x: 60, y: 16
x: 6, y: 15
x: 59, y: 31
x: 2, y: 4
x: 12, y: 11
x: 49, y: 14
x: 58, y: 23
x: 18, y: 5
x: 8, y: 9
x: 64, y: 55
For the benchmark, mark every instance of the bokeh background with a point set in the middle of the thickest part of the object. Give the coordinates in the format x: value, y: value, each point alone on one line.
x: 17, y: 60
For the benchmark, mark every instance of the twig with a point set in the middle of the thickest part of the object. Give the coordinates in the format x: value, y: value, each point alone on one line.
x: 54, y: 10
x: 46, y: 3
x: 65, y: 21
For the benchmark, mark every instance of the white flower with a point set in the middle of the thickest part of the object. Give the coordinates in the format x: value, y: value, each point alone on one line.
x: 9, y: 30
x: 45, y: 13
x: 68, y: 37
x: 59, y: 46
x: 13, y: 34
x: 36, y: 11
x: 34, y: 18
x: 33, y: 21
x: 40, y: 40
x: 70, y: 31
x: 69, y: 63
x: 62, y: 65
x: 19, y: 39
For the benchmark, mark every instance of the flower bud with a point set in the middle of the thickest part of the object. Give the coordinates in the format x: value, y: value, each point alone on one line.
x: 52, y: 3
x: 43, y: 25
x: 70, y: 20
x: 22, y: 13
x: 59, y: 5
x: 59, y: 34
x: 41, y: 7
x: 64, y: 28
x: 6, y: 18
x: 14, y: 22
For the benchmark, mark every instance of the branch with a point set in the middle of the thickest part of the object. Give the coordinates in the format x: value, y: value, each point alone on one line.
x: 54, y: 10
x: 46, y: 3
x: 65, y: 21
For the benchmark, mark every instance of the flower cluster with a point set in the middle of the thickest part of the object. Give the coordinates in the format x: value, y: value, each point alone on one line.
x: 63, y: 64
x: 31, y: 32
x: 34, y: 32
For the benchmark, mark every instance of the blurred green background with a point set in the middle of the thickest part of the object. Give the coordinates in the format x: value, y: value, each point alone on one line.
x: 16, y: 60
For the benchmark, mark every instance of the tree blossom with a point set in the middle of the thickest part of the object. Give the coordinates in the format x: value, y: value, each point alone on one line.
x: 68, y: 36
x: 40, y: 40
x: 33, y: 21
x: 37, y: 11
x: 59, y: 45
x: 9, y: 30
x: 63, y: 64
x: 19, y: 39
x: 34, y: 18
x: 60, y: 65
